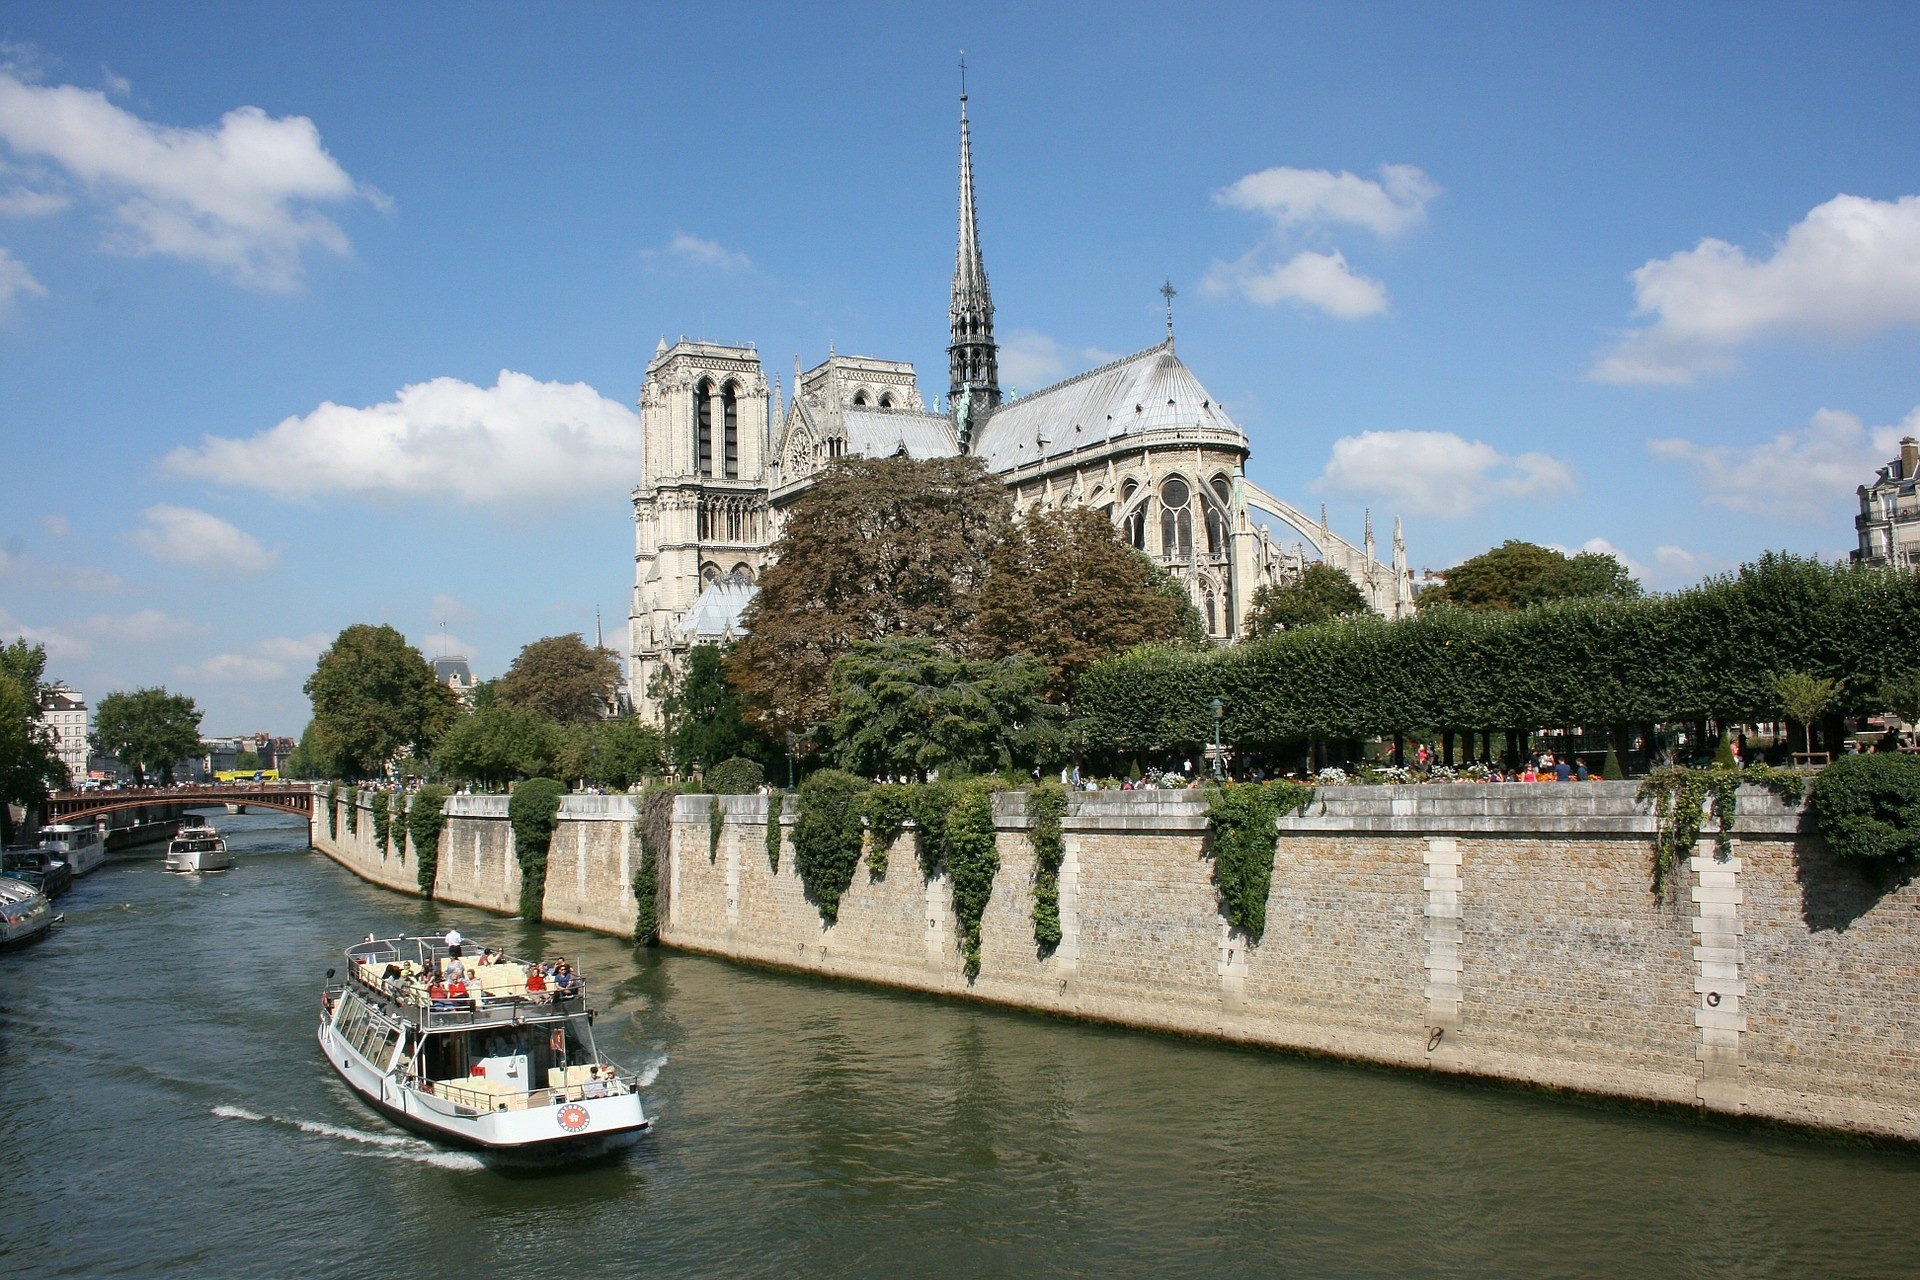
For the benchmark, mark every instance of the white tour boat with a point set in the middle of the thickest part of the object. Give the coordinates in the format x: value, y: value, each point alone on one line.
x: 81, y: 848
x: 493, y: 1065
x: 25, y: 913
x: 197, y: 848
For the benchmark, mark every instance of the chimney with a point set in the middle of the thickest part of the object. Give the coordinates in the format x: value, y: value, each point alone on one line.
x: 1909, y: 458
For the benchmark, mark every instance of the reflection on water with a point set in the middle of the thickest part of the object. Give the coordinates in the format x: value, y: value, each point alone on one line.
x: 164, y: 1088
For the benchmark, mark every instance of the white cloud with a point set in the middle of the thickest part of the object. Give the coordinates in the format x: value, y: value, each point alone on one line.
x: 1304, y: 203
x: 519, y: 441
x: 266, y: 660
x: 21, y: 202
x: 1805, y: 475
x: 57, y: 525
x: 444, y: 644
x: 143, y: 626
x: 1316, y: 197
x: 1678, y: 566
x: 1437, y: 472
x: 1851, y: 267
x: 445, y: 608
x: 16, y: 282
x: 183, y: 535
x: 1030, y: 360
x: 707, y: 253
x: 1320, y: 280
x: 305, y: 648
x: 239, y: 196
x: 62, y: 646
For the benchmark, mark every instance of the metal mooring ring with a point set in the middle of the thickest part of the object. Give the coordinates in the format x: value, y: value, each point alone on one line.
x: 1433, y: 1041
x: 1713, y: 999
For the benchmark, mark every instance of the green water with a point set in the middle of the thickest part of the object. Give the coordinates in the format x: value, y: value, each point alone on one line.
x: 168, y: 1113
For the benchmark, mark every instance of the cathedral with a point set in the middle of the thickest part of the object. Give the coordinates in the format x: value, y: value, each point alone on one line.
x: 1139, y: 439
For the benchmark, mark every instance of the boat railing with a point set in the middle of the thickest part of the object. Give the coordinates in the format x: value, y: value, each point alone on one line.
x: 481, y: 1094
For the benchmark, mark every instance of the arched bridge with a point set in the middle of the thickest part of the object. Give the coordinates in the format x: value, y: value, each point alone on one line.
x: 291, y: 797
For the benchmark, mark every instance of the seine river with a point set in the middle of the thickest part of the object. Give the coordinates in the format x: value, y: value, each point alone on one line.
x: 168, y: 1113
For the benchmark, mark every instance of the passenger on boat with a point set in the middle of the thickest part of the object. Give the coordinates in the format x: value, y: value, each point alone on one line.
x: 563, y: 978
x: 453, y: 943
x: 456, y: 969
x: 536, y: 980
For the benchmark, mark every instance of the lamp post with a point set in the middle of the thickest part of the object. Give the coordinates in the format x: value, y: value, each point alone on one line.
x: 1216, y: 704
x: 789, y: 759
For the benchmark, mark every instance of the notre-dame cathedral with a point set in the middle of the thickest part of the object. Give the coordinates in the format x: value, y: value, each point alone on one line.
x: 1140, y: 439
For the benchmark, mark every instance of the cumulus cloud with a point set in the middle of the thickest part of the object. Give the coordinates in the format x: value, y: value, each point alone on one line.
x: 703, y: 253
x: 1805, y: 475
x: 24, y: 203
x: 1320, y: 280
x: 1033, y: 360
x: 183, y: 535
x: 519, y: 441
x: 1302, y: 204
x: 62, y: 645
x: 269, y: 659
x: 1437, y: 472
x: 238, y: 196
x: 1851, y: 267
x: 16, y: 282
x: 1316, y: 197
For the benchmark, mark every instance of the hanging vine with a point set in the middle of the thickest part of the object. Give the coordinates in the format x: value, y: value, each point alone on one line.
x: 333, y: 811
x: 827, y: 838
x: 1244, y: 822
x: 716, y: 823
x: 776, y: 803
x: 973, y: 859
x: 1046, y: 805
x: 353, y: 811
x: 1679, y: 797
x: 646, y: 889
x: 533, y: 811
x: 426, y: 819
x: 382, y: 806
x: 888, y: 809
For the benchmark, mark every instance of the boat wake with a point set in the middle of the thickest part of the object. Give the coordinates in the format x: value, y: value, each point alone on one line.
x: 386, y: 1146
x: 651, y: 1071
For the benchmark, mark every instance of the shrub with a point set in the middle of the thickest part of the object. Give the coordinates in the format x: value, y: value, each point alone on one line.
x: 887, y: 808
x: 532, y: 811
x: 333, y: 810
x: 972, y: 858
x: 826, y: 839
x: 1867, y: 809
x: 1046, y: 805
x: 353, y: 811
x: 382, y: 806
x: 736, y: 777
x: 646, y: 890
x: 1245, y: 824
x: 716, y: 823
x: 1611, y: 770
x: 426, y: 819
x: 776, y: 803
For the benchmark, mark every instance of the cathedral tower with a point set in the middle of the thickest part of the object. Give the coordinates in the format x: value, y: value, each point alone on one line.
x: 973, y: 359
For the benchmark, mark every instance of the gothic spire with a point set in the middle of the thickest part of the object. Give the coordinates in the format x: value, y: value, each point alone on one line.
x: 973, y: 358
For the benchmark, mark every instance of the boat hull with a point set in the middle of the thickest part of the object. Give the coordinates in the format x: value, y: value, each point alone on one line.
x: 582, y: 1126
x: 198, y: 861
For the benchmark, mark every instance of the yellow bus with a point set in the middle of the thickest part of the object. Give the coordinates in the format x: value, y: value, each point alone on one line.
x: 248, y: 775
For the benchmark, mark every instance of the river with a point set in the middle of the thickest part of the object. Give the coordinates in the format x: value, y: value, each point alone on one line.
x: 168, y: 1113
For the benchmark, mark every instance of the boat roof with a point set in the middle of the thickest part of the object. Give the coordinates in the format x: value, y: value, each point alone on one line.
x: 16, y: 891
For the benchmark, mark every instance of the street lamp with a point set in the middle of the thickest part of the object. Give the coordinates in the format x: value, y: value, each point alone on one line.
x: 1216, y: 704
x: 789, y: 759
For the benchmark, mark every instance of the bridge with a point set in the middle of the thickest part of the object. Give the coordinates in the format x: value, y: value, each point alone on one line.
x: 76, y: 806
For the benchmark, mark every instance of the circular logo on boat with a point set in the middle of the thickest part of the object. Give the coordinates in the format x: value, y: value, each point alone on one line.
x: 573, y: 1117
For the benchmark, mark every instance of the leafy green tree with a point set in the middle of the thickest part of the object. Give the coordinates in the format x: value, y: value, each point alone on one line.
x: 706, y: 721
x: 493, y: 747
x: 374, y: 696
x: 245, y: 762
x: 1803, y: 696
x: 875, y: 548
x: 1516, y: 574
x: 905, y: 706
x: 147, y: 730
x: 26, y: 664
x: 29, y: 765
x: 1320, y: 594
x: 1063, y: 587
x: 562, y: 678
x: 301, y: 763
x: 629, y: 750
x: 1900, y: 694
x: 483, y: 696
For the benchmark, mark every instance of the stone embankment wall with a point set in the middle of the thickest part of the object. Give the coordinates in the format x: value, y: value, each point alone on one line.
x: 1507, y: 931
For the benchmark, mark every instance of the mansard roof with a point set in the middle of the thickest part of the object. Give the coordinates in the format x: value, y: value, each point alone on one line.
x: 881, y: 433
x: 1149, y: 390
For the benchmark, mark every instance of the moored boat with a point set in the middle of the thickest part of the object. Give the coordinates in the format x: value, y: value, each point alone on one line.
x: 82, y: 848
x: 197, y: 848
x: 25, y: 913
x: 500, y: 1060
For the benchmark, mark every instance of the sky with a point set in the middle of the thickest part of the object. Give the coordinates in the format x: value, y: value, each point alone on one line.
x: 316, y: 315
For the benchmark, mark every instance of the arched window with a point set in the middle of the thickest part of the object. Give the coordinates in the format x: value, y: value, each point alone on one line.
x: 730, y: 415
x: 1213, y: 627
x: 703, y: 428
x: 886, y: 400
x: 859, y: 399
x: 1176, y: 519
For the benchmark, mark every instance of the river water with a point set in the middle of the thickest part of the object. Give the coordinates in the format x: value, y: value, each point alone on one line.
x: 168, y: 1113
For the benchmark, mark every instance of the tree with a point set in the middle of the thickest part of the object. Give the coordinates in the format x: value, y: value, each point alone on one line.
x: 1516, y: 574
x: 1063, y: 587
x: 705, y: 720
x: 876, y: 547
x: 301, y: 763
x: 1320, y: 594
x: 29, y: 764
x: 147, y: 730
x: 495, y: 746
x: 26, y: 664
x: 373, y: 696
x: 906, y: 706
x: 245, y: 762
x: 1900, y: 694
x: 628, y: 750
x: 1803, y: 696
x: 563, y: 679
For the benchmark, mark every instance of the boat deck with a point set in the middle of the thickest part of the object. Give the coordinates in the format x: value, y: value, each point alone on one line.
x: 403, y: 973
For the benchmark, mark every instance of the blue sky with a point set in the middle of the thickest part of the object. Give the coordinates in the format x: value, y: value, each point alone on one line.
x: 309, y: 318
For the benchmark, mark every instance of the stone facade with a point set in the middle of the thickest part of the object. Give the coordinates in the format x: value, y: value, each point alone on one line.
x: 1506, y: 931
x: 1888, y: 525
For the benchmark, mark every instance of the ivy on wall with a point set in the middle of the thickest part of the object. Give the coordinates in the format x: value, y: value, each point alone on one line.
x: 776, y: 803
x: 533, y: 810
x: 716, y: 823
x: 827, y: 837
x: 646, y: 889
x: 382, y: 807
x: 353, y: 811
x: 426, y: 819
x: 972, y: 858
x: 1046, y: 805
x: 1244, y: 822
x: 887, y: 808
x: 333, y: 810
x: 1680, y: 796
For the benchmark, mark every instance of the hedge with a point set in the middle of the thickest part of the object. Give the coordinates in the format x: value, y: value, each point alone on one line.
x: 1709, y: 652
x: 1867, y: 809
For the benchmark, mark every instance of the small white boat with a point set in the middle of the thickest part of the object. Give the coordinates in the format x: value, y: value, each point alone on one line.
x: 508, y: 1065
x: 81, y: 848
x: 25, y: 913
x: 197, y: 848
x: 235, y: 809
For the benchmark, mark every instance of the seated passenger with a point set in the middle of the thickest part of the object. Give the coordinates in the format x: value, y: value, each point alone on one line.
x: 456, y: 970
x: 536, y: 981
x: 563, y: 978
